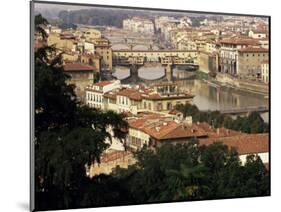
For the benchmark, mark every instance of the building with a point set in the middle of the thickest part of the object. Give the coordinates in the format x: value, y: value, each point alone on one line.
x: 229, y: 53
x: 161, y: 20
x: 186, y: 44
x: 265, y: 71
x: 110, y: 160
x: 81, y: 75
x: 245, y: 144
x: 136, y: 99
x: 258, y: 34
x: 91, y: 59
x: 52, y: 29
x: 208, y: 62
x: 63, y: 41
x: 95, y: 92
x: 249, y: 61
x: 92, y: 34
x: 139, y: 25
x: 103, y: 49
x: 154, y: 129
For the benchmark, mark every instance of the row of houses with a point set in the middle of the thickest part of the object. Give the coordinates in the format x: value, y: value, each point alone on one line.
x: 78, y: 45
x: 111, y: 95
x: 235, y: 46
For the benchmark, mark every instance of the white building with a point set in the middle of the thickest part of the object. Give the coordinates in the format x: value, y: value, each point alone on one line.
x: 89, y: 47
x: 265, y: 71
x: 94, y: 93
x: 257, y: 34
x: 139, y: 25
x: 186, y: 44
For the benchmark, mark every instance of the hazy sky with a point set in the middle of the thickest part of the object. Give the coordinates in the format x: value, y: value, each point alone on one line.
x: 51, y: 10
x: 39, y: 6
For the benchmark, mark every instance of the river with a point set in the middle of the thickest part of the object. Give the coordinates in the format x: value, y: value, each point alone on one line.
x: 207, y: 97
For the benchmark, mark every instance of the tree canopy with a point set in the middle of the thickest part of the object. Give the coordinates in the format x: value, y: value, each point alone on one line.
x: 68, y: 135
x: 192, y: 172
x: 253, y: 123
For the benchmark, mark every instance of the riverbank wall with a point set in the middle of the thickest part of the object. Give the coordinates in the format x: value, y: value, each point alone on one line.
x: 246, y: 85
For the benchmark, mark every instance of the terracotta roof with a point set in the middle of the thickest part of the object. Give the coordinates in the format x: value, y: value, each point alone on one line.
x: 164, y: 128
x: 130, y: 93
x: 252, y: 49
x: 184, y: 131
x: 244, y: 143
x: 218, y: 132
x: 110, y: 95
x: 239, y: 41
x: 160, y: 50
x: 113, y: 155
x: 38, y: 45
x: 260, y: 31
x: 103, y: 83
x: 77, y: 67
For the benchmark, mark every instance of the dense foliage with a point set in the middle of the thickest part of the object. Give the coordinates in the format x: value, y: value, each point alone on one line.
x: 193, y: 172
x: 253, y: 123
x: 67, y: 134
x: 95, y: 17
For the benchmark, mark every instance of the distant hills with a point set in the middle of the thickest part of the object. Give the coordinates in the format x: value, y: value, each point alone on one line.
x: 99, y: 16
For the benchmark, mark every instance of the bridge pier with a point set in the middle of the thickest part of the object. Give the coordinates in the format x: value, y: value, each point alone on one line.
x: 169, y: 72
x: 134, y: 77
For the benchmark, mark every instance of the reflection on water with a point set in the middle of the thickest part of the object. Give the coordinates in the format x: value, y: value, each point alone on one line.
x: 182, y: 74
x: 121, y: 72
x: 151, y: 73
x: 212, y: 98
x: 206, y: 97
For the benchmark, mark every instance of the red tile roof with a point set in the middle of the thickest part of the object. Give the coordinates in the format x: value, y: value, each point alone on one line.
x: 239, y: 41
x: 244, y: 143
x: 163, y: 128
x: 130, y: 93
x: 103, y: 83
x: 252, y: 49
x: 110, y: 95
x: 77, y: 67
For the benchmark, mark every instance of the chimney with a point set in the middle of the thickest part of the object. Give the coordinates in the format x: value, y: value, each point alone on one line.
x: 218, y: 131
x: 188, y: 120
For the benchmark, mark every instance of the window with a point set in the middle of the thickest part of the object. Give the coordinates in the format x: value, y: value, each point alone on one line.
x: 169, y: 106
x: 159, y: 106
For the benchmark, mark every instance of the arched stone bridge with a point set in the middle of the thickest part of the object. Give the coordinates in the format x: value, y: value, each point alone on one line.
x: 165, y: 57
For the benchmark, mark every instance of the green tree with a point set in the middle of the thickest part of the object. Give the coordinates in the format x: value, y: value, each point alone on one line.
x: 67, y: 135
x: 192, y: 172
x: 40, y: 22
x: 253, y: 123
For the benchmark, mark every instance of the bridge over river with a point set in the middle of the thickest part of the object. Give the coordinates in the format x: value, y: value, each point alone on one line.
x: 165, y: 57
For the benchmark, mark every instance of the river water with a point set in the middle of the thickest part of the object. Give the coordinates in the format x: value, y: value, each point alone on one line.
x: 207, y: 97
